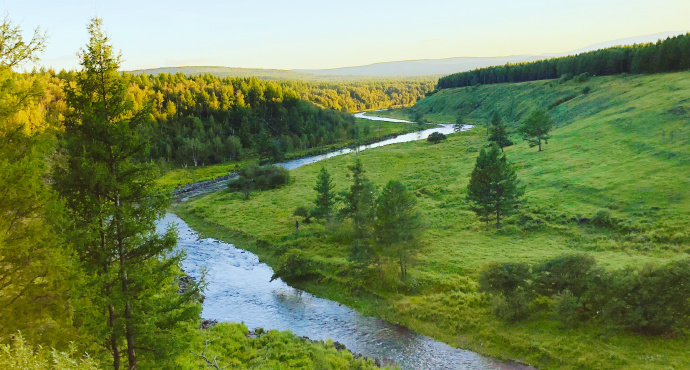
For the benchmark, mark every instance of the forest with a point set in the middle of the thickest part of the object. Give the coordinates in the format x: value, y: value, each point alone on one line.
x: 670, y: 55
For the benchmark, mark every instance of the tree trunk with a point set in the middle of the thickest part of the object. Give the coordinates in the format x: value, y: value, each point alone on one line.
x: 540, y: 145
x: 498, y: 219
x: 113, y: 338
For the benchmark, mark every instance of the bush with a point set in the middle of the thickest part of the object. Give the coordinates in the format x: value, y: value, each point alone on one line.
x: 582, y: 77
x: 586, y: 90
x: 565, y: 77
x: 259, y: 178
x: 436, y: 137
x: 566, y: 309
x: 303, y: 212
x: 603, y: 218
x: 512, y: 307
x: 295, y: 266
x: 504, y: 278
x: 567, y: 272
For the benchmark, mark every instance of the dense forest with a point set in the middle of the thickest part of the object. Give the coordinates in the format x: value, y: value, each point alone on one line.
x: 204, y: 119
x: 670, y: 55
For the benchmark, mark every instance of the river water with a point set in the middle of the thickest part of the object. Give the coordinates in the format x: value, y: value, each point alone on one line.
x: 238, y: 289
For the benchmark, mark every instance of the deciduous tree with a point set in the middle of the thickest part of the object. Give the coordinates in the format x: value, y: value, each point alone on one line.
x: 536, y: 128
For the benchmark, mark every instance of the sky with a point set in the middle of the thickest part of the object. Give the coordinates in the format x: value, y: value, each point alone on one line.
x: 306, y: 34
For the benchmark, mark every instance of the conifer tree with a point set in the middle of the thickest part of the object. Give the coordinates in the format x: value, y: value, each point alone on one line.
x: 494, y: 189
x: 499, y: 132
x: 35, y: 261
x: 113, y: 203
x: 325, y: 197
x: 360, y: 206
x: 398, y: 224
x: 536, y: 128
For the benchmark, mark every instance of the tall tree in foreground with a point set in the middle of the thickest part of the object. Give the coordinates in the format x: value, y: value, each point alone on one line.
x: 325, y: 197
x: 114, y: 205
x: 34, y: 263
x: 494, y: 189
x: 536, y: 128
x: 499, y: 132
x: 398, y: 224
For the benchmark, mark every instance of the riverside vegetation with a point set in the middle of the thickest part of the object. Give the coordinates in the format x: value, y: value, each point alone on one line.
x: 608, y: 189
x: 85, y: 281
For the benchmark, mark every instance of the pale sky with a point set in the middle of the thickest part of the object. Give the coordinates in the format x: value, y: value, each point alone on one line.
x: 308, y: 34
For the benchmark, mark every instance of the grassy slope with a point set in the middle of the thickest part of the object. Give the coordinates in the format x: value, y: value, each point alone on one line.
x: 182, y: 176
x: 625, y: 147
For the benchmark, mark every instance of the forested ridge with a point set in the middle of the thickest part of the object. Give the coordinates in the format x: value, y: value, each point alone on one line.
x: 204, y: 119
x: 670, y: 55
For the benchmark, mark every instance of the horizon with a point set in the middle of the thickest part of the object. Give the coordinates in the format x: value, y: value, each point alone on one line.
x: 306, y: 35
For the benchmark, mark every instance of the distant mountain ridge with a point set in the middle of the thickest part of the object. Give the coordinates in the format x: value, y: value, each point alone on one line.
x: 423, y: 68
x: 462, y: 64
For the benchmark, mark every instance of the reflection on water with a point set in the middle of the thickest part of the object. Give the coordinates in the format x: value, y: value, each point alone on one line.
x: 239, y: 290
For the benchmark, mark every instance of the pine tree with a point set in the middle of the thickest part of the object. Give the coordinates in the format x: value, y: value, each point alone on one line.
x: 325, y: 197
x: 499, y: 132
x: 536, y: 128
x: 35, y: 261
x: 494, y: 189
x: 398, y: 224
x: 114, y: 205
x: 360, y: 206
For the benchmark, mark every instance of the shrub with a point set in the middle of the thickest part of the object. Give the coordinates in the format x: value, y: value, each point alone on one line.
x: 511, y: 307
x: 504, y: 278
x: 603, y: 218
x: 582, y: 77
x: 567, y: 272
x: 436, y: 137
x: 303, y: 212
x: 565, y: 77
x: 566, y: 307
x: 586, y: 90
x: 261, y: 178
x: 295, y: 266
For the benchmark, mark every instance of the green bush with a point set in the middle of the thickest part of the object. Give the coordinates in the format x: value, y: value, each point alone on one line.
x: 295, y: 266
x: 436, y: 137
x: 567, y: 272
x: 582, y: 77
x: 566, y: 309
x: 586, y: 90
x: 511, y: 307
x: 504, y: 278
x: 603, y: 218
x: 259, y: 178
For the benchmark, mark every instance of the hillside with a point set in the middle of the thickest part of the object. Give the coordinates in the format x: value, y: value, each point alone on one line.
x: 623, y: 149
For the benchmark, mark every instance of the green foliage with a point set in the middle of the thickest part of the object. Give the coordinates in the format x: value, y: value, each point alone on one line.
x: 499, y: 132
x: 325, y: 196
x: 494, y: 189
x: 398, y: 225
x: 504, y: 278
x: 253, y: 177
x: 360, y: 206
x: 586, y: 90
x: 303, y: 212
x: 295, y: 266
x: 568, y: 272
x: 537, y: 128
x: 21, y: 355
x: 511, y: 307
x: 129, y: 269
x: 231, y: 346
x: 669, y: 55
x: 436, y: 137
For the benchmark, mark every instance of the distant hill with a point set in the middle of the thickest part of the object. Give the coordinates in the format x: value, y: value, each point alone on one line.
x: 409, y: 69
x: 272, y: 74
x: 462, y: 64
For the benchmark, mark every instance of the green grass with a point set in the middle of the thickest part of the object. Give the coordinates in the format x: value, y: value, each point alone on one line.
x: 624, y: 147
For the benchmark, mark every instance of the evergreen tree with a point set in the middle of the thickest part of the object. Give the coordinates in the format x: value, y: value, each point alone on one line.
x: 360, y: 206
x: 398, y: 224
x: 325, y: 197
x: 536, y: 128
x: 494, y: 189
x: 114, y: 205
x: 35, y: 261
x: 499, y: 132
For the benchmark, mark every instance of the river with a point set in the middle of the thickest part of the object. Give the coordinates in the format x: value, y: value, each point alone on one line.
x: 238, y: 289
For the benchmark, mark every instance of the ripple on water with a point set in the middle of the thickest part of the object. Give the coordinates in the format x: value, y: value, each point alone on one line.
x: 239, y: 290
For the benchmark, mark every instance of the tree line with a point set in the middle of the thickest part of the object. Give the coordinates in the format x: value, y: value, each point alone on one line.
x: 670, y: 55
